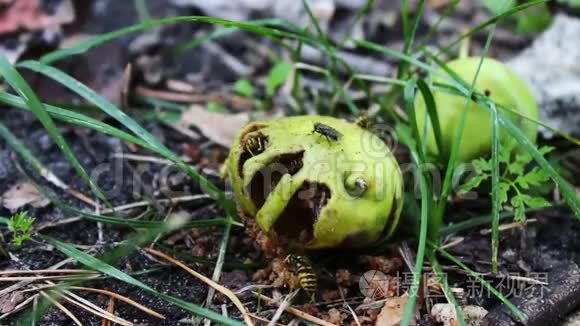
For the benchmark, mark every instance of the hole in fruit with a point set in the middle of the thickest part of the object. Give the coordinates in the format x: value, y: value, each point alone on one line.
x: 252, y: 145
x: 297, y: 220
x: 266, y: 179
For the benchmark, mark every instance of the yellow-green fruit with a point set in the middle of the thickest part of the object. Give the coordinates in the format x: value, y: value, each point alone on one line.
x: 495, y: 80
x: 338, y: 186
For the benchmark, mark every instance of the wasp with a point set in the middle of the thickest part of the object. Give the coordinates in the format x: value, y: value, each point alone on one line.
x: 327, y: 131
x: 363, y: 122
x: 255, y: 144
x: 305, y: 272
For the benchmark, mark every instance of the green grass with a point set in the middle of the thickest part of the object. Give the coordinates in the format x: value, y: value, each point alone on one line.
x: 405, y: 87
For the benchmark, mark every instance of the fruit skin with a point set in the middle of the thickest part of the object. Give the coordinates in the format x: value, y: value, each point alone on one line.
x: 358, y: 158
x: 503, y: 86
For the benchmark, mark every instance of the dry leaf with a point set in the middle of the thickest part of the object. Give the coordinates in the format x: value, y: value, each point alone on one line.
x: 10, y: 301
x: 30, y: 15
x: 445, y: 313
x: 23, y: 194
x: 221, y: 128
x: 392, y: 312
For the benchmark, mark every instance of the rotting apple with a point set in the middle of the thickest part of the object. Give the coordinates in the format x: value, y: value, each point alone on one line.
x: 494, y: 80
x: 314, y: 182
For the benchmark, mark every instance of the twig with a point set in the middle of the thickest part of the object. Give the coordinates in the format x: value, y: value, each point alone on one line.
x: 47, y: 271
x: 222, y: 289
x: 231, y: 61
x: 192, y: 98
x: 110, y: 309
x: 219, y: 263
x: 143, y: 158
x: 92, y: 308
x: 61, y: 307
x: 21, y: 284
x: 262, y: 319
x: 285, y: 304
x: 120, y: 298
x: 43, y: 278
x: 100, y: 238
x: 58, y: 223
x: 509, y: 226
x: 296, y: 312
x: 453, y: 243
x: 174, y: 200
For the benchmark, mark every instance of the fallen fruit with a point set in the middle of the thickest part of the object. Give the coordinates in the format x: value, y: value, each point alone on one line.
x: 496, y: 81
x: 313, y: 182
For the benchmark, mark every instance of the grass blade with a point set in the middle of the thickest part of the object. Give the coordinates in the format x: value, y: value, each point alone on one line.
x: 432, y: 111
x: 492, y: 21
x: 518, y: 313
x: 109, y: 108
x: 495, y: 204
x: 222, y: 31
x: 99, y: 265
x: 247, y: 26
x: 425, y: 208
x: 77, y: 119
x: 15, y: 80
x: 452, y: 161
x: 409, y: 34
x: 445, y: 285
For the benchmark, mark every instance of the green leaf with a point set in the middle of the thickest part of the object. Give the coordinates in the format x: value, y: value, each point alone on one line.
x: 535, y: 177
x: 474, y: 182
x: 537, y: 202
x: 498, y: 7
x: 534, y: 20
x: 482, y: 165
x: 518, y: 203
x: 566, y: 189
x: 278, y: 75
x: 215, y: 107
x: 244, y: 88
x: 503, y: 192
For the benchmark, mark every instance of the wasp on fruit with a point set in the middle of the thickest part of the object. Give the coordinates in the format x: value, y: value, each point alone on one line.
x: 363, y: 122
x: 255, y: 144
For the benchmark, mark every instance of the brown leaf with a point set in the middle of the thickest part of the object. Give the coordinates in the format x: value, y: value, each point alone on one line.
x: 10, y: 301
x: 392, y: 312
x: 23, y: 194
x: 30, y: 15
x: 221, y: 128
